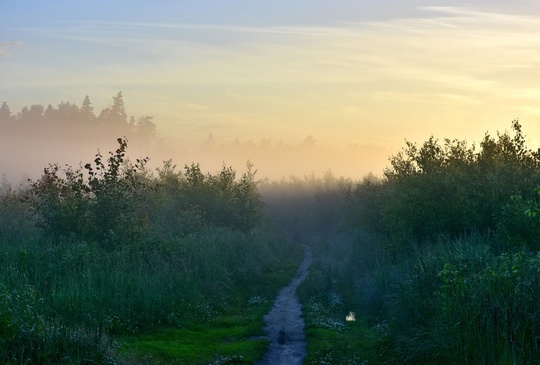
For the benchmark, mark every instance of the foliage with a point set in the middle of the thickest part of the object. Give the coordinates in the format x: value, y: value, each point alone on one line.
x: 120, y: 252
x: 440, y: 256
x: 450, y: 189
x: 468, y: 307
x: 78, y: 124
x: 194, y: 200
x: 106, y: 206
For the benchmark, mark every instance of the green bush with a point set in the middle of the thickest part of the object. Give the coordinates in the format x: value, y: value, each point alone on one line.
x: 441, y: 254
x: 118, y: 251
x: 105, y: 206
x: 451, y: 189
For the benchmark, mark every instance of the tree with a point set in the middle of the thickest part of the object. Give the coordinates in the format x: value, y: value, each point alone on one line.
x: 248, y: 200
x: 5, y: 112
x: 114, y: 119
x: 105, y: 205
x: 452, y: 188
x: 50, y: 114
x: 87, y: 111
x: 118, y: 110
x: 32, y: 114
x: 67, y: 111
x: 145, y: 129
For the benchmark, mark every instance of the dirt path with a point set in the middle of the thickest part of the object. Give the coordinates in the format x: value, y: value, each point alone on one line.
x: 284, y: 324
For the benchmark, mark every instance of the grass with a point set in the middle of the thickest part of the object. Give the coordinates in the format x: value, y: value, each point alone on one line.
x: 454, y: 301
x: 227, y: 339
x: 327, y: 296
x: 63, y: 302
x: 354, y: 344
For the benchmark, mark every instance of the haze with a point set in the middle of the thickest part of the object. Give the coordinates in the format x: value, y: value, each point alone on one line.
x: 296, y: 87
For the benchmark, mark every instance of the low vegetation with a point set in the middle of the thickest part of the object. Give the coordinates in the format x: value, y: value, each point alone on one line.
x: 110, y: 262
x: 439, y: 258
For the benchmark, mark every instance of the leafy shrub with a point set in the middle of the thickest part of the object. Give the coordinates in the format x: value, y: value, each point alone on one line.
x: 194, y: 200
x: 451, y: 189
x: 105, y: 206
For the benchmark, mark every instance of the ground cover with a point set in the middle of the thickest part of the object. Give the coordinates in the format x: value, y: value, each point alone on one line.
x: 226, y: 339
x: 92, y: 258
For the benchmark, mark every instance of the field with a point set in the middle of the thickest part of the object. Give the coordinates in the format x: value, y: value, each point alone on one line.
x: 112, y: 263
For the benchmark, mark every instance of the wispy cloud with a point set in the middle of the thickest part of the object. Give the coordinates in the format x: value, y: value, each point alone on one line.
x: 5, y: 45
x: 452, y: 59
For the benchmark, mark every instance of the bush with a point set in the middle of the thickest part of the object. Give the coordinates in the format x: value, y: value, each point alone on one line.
x: 451, y: 189
x: 105, y: 206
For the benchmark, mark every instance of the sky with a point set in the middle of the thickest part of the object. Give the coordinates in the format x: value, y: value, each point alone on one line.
x: 346, y: 72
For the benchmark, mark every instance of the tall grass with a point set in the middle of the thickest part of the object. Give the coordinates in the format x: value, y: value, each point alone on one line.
x: 76, y: 288
x: 71, y: 284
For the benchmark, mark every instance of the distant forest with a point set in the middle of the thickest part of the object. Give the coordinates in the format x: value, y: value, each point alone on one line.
x: 76, y: 123
x: 66, y: 134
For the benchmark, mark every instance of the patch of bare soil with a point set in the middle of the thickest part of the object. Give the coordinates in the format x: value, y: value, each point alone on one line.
x: 284, y: 322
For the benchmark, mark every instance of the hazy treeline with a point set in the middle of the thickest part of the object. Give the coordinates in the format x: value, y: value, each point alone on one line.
x: 68, y: 133
x: 440, y: 256
x: 73, y: 122
x: 112, y: 248
x: 278, y: 160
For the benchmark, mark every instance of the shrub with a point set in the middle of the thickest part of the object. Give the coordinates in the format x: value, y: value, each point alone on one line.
x: 105, y: 206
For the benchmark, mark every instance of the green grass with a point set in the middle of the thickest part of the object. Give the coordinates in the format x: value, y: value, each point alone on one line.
x: 355, y: 344
x: 327, y: 296
x: 65, y: 302
x: 226, y: 339
x: 455, y: 301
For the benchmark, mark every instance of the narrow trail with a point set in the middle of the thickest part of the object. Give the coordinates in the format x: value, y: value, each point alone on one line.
x: 284, y: 322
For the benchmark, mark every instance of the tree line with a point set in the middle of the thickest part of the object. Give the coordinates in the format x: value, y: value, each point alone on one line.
x: 72, y: 121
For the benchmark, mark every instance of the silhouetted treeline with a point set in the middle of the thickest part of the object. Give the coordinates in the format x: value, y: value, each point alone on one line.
x: 71, y: 121
x: 37, y: 135
x: 278, y: 159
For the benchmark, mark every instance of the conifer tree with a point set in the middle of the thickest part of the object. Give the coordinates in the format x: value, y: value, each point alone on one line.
x: 118, y: 110
x: 5, y: 112
x: 87, y: 110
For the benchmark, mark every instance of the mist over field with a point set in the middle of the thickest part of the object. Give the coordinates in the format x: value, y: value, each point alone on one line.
x: 34, y: 137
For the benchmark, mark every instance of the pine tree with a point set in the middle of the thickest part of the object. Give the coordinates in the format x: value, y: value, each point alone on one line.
x: 50, y: 113
x: 146, y: 129
x: 87, y: 110
x: 118, y: 110
x: 5, y: 112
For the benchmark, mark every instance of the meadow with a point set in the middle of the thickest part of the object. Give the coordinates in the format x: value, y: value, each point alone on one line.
x: 113, y: 263
x: 110, y: 263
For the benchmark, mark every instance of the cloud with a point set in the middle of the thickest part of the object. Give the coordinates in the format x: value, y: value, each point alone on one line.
x: 448, y: 64
x: 5, y: 45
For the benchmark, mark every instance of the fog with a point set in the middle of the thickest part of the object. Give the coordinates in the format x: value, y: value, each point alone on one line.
x: 71, y: 134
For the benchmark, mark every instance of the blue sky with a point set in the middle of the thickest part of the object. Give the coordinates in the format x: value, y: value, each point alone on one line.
x: 342, y: 71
